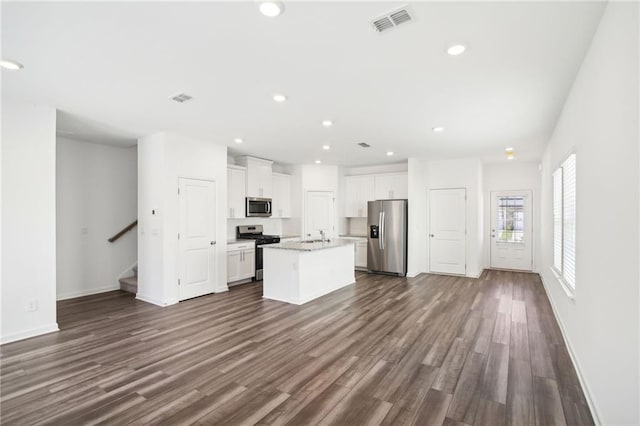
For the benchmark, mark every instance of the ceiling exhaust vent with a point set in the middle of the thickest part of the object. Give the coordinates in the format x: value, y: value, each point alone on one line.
x: 364, y: 145
x: 392, y: 19
x: 181, y: 98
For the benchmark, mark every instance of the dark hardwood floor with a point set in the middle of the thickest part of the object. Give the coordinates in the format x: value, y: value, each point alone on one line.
x: 426, y: 350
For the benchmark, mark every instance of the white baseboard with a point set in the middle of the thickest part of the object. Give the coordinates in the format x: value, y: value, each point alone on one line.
x: 86, y: 292
x: 155, y: 301
x: 574, y: 359
x: 32, y: 332
x: 478, y: 275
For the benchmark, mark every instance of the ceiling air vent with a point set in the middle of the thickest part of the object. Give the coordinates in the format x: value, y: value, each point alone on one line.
x: 181, y: 98
x: 364, y: 144
x: 392, y: 19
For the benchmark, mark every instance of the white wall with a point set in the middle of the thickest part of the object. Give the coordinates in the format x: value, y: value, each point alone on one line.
x: 28, y: 220
x: 96, y: 196
x: 507, y: 176
x: 417, y: 260
x: 162, y: 159
x: 306, y: 178
x: 600, y: 123
x: 425, y: 175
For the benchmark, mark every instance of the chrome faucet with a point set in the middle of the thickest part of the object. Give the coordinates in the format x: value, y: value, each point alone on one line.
x: 322, y: 234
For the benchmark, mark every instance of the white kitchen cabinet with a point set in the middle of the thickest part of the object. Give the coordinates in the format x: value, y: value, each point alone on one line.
x: 391, y: 186
x: 259, y: 176
x: 236, y: 177
x: 241, y: 261
x: 281, y: 199
x: 359, y: 191
x: 361, y: 254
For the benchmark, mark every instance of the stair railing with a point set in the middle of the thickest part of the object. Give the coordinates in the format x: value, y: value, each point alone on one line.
x: 124, y: 231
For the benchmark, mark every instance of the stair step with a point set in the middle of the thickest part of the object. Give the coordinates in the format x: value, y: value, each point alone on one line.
x: 129, y: 284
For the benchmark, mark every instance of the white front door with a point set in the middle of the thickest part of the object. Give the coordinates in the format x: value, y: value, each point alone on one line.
x: 447, y: 231
x: 320, y: 213
x: 197, y: 237
x: 511, y: 230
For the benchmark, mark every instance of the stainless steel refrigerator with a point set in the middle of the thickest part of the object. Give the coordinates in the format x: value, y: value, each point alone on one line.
x: 387, y: 227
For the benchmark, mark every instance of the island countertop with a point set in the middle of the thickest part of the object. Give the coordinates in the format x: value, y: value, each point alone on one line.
x: 309, y: 245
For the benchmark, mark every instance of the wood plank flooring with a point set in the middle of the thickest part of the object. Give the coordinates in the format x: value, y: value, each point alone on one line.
x: 430, y: 350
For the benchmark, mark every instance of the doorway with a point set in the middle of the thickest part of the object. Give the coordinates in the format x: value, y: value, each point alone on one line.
x: 197, y: 237
x: 448, y: 231
x: 320, y: 214
x: 511, y: 230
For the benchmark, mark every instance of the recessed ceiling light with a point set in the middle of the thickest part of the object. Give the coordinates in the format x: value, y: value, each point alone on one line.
x: 318, y: 161
x: 510, y: 155
x: 271, y: 8
x: 438, y: 129
x: 238, y: 140
x: 327, y: 123
x: 456, y: 49
x: 278, y: 97
x: 326, y: 147
x: 389, y: 153
x: 11, y: 65
x: 510, y: 149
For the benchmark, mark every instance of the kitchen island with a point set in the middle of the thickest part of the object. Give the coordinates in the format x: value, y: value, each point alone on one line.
x: 298, y: 272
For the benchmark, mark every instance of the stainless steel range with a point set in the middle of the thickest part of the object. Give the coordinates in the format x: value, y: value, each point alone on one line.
x: 254, y: 232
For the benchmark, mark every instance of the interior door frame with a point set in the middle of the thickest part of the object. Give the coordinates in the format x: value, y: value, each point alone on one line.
x: 466, y: 236
x: 216, y: 265
x: 306, y: 210
x: 529, y: 194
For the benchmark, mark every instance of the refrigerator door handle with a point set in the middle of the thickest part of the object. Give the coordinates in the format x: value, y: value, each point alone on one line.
x: 382, y: 231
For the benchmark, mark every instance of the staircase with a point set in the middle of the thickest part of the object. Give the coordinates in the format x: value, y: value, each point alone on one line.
x: 130, y: 284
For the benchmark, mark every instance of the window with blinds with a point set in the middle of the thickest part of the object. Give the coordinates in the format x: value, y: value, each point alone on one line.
x: 557, y: 220
x: 564, y: 221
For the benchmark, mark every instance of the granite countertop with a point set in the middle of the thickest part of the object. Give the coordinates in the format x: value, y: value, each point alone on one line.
x: 236, y: 241
x: 310, y: 246
x: 353, y: 236
x: 289, y: 236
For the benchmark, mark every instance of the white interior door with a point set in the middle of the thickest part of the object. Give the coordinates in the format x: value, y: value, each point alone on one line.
x: 447, y: 231
x: 511, y: 230
x: 197, y: 237
x: 320, y: 213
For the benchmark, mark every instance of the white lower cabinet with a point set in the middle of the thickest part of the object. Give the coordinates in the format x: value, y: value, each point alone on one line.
x: 241, y: 261
x: 361, y: 254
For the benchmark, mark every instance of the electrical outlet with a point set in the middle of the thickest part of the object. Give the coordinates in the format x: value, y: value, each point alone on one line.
x: 31, y: 305
x: 84, y: 230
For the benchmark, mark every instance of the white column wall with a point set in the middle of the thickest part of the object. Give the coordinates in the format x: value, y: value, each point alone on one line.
x: 28, y: 220
x: 162, y: 159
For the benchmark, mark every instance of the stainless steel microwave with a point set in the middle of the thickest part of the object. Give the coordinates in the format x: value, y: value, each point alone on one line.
x: 258, y: 207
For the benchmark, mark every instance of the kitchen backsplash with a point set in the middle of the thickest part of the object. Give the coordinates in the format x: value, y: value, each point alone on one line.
x: 357, y: 226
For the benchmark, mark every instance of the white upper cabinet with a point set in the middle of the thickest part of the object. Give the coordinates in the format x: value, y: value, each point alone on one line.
x: 359, y: 191
x: 281, y: 199
x: 392, y: 185
x: 236, y: 177
x: 259, y: 176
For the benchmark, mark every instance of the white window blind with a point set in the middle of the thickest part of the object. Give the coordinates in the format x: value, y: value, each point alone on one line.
x: 557, y: 220
x: 564, y: 221
x: 569, y: 220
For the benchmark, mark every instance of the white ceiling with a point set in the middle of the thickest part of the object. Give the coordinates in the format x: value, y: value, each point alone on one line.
x: 118, y: 63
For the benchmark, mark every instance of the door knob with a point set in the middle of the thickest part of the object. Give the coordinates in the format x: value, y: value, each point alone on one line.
x: 213, y: 243
x: 431, y: 235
